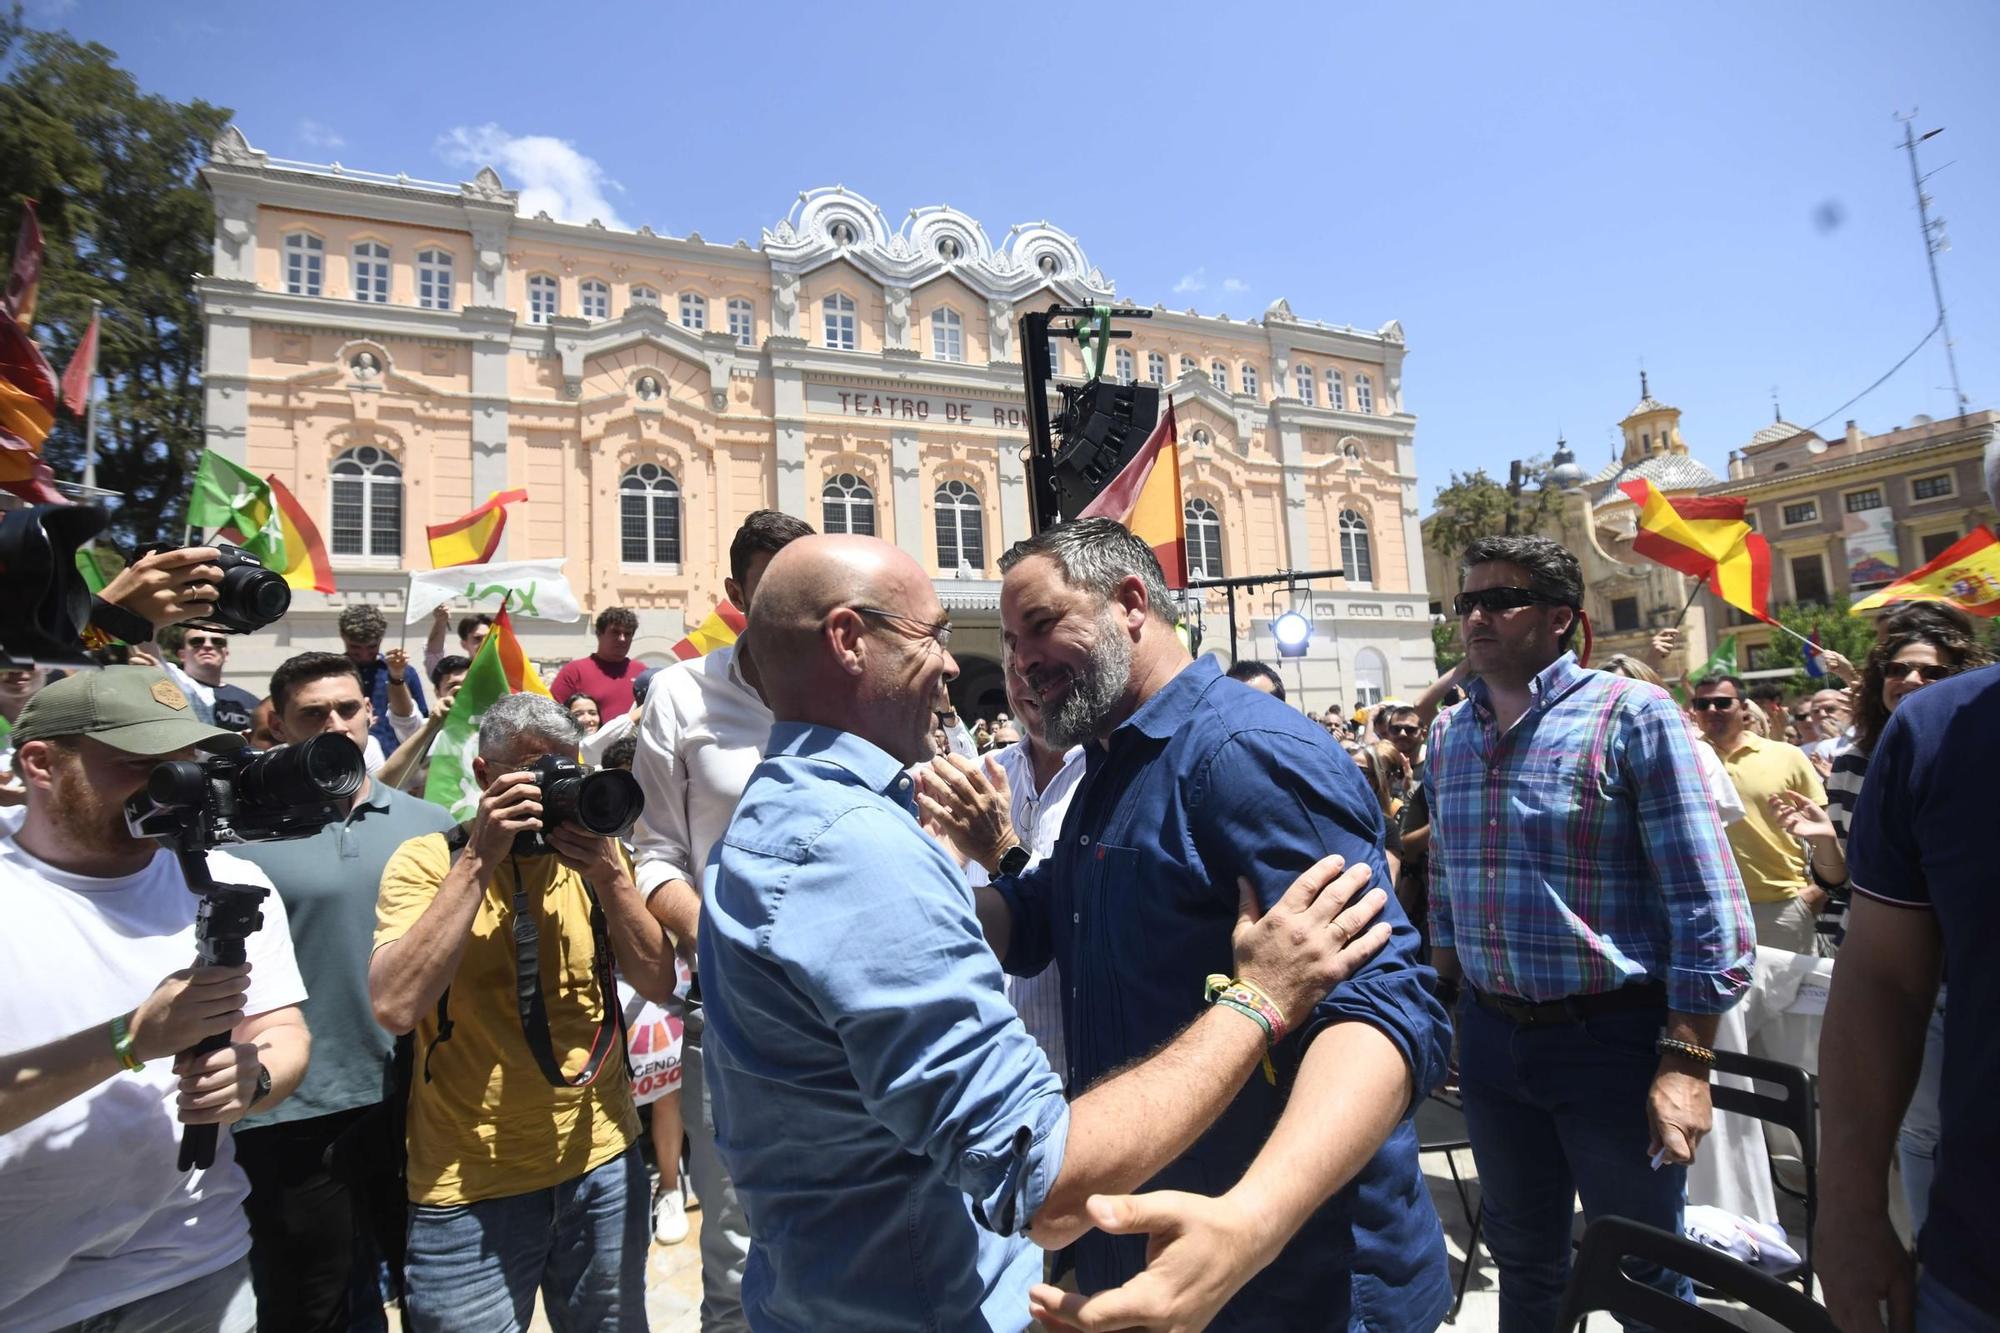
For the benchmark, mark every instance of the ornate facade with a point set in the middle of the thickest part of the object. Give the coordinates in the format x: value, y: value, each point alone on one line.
x: 396, y: 350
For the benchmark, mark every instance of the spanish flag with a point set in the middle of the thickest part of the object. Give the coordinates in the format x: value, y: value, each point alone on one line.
x: 473, y: 539
x: 305, y: 564
x: 722, y: 628
x: 1705, y: 537
x: 27, y: 384
x: 1967, y: 575
x: 514, y: 664
x: 1146, y: 497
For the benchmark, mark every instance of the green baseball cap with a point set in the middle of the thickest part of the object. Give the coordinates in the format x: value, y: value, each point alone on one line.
x: 136, y: 709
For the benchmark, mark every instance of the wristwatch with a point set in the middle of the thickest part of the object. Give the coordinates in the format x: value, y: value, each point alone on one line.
x: 263, y: 1085
x: 1014, y: 860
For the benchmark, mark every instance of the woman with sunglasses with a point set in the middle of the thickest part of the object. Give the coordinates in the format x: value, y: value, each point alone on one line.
x: 1916, y: 645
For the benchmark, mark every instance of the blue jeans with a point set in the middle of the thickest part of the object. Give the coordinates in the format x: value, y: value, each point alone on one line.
x: 1941, y: 1310
x: 476, y: 1267
x: 1554, y: 1112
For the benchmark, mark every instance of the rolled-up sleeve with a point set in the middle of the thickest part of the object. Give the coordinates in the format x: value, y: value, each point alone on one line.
x: 940, y: 1057
x: 661, y: 838
x: 1030, y: 935
x: 1712, y: 939
x: 1266, y: 807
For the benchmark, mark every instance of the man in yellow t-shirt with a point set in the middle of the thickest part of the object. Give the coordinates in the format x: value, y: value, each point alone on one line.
x: 518, y: 1184
x: 1770, y: 776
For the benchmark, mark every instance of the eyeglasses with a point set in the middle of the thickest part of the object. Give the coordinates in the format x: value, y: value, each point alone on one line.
x: 938, y: 631
x: 1495, y: 600
x: 1719, y: 702
x: 1932, y: 672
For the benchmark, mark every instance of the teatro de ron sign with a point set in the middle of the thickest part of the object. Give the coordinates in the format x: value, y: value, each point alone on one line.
x: 915, y: 409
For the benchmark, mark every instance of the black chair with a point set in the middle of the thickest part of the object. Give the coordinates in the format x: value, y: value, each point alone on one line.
x: 1441, y: 1128
x: 1599, y: 1282
x: 1795, y: 1105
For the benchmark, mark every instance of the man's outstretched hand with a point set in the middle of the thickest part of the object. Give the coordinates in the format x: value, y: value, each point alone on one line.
x: 1199, y: 1253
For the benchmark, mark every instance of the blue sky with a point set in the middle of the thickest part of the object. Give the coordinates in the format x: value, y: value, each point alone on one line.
x: 1546, y: 194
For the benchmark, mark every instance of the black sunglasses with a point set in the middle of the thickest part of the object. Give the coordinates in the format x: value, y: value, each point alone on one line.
x: 1719, y: 702
x: 1930, y: 672
x: 1495, y: 600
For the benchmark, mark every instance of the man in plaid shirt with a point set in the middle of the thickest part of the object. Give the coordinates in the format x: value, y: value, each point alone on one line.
x: 1584, y: 898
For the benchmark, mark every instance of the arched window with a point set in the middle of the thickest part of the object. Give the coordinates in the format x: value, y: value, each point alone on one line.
x: 1204, y: 539
x: 544, y: 298
x: 1371, y: 677
x: 367, y: 504
x: 1126, y: 364
x: 434, y: 279
x: 371, y: 272
x: 1357, y: 561
x: 1218, y: 375
x: 1302, y: 379
x: 649, y: 516
x: 643, y: 295
x: 305, y: 263
x: 1249, y: 379
x: 947, y: 335
x: 1187, y: 367
x: 847, y: 505
x: 961, y: 527
x: 742, y: 322
x: 1364, y: 393
x: 594, y: 297
x: 838, y: 311
x: 1156, y: 368
x: 1336, y: 391
x: 694, y: 311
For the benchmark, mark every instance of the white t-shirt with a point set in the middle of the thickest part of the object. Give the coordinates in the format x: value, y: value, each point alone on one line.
x: 94, y: 1210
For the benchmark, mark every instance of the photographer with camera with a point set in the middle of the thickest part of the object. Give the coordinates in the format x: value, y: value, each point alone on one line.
x: 99, y: 1008
x: 304, y: 1215
x: 494, y: 946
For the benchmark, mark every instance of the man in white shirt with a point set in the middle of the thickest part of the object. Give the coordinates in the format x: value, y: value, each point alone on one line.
x: 100, y: 1222
x: 701, y: 736
x: 202, y: 654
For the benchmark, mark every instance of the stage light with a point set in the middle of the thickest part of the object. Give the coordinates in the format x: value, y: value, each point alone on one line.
x: 1293, y: 633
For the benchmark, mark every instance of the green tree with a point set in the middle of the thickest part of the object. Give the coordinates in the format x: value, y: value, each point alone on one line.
x: 1850, y: 636
x: 1474, y: 505
x: 112, y: 168
x: 1445, y: 646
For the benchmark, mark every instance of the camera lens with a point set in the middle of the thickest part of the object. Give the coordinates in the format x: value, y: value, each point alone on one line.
x: 324, y: 768
x: 608, y: 802
x: 253, y: 596
x: 177, y: 783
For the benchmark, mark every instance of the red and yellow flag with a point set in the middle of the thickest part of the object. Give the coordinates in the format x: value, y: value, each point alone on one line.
x: 82, y: 369
x: 25, y: 279
x: 306, y: 563
x: 27, y: 385
x: 520, y: 672
x: 1146, y: 497
x: 473, y: 539
x: 1705, y: 537
x: 1966, y: 574
x: 722, y: 628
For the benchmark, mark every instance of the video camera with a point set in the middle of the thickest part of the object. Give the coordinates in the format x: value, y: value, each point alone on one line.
x: 248, y: 598
x: 606, y: 803
x: 193, y: 805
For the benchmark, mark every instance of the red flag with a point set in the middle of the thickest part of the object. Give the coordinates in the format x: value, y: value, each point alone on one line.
x: 26, y: 276
x: 82, y: 369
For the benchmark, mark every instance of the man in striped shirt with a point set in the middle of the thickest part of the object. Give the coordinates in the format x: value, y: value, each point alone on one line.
x: 1583, y: 893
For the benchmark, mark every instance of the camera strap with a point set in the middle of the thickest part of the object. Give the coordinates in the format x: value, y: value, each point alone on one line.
x: 528, y: 996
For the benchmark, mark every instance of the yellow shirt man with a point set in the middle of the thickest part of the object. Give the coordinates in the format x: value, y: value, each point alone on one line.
x: 484, y: 1122
x: 1772, y: 861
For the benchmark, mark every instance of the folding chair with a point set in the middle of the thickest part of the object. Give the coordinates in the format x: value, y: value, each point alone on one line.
x: 1795, y: 1105
x: 1441, y: 1128
x: 1599, y: 1282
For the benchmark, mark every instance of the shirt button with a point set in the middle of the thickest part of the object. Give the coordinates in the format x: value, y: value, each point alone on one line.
x: 1492, y: 823
x: 1078, y: 918
x: 1491, y: 874
x: 1083, y: 839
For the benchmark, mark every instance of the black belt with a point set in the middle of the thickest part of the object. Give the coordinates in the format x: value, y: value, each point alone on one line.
x: 1572, y: 1008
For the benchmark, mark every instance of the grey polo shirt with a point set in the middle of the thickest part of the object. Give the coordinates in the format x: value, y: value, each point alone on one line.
x: 329, y: 883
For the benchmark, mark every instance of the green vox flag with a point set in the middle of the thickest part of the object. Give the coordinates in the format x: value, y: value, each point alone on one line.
x: 451, y: 783
x: 98, y: 567
x: 229, y: 496
x: 1723, y: 659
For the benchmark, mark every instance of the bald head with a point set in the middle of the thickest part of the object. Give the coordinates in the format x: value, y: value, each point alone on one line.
x: 872, y: 671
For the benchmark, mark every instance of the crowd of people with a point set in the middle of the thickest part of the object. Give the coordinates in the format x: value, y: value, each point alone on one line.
x: 1110, y: 1008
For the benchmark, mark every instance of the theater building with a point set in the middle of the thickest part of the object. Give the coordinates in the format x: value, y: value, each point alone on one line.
x: 396, y: 350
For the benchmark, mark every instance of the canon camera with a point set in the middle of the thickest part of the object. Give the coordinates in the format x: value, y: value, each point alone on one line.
x: 606, y: 803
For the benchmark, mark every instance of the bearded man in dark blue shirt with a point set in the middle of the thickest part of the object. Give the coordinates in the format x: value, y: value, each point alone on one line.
x: 1193, y: 783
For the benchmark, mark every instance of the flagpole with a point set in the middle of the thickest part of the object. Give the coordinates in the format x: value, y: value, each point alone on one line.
x: 1689, y: 603
x: 90, y: 389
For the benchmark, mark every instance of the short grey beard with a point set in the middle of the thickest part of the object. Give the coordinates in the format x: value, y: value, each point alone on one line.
x: 1079, y: 716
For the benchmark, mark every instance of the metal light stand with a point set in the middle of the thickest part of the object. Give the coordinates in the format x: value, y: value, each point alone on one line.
x: 1287, y: 576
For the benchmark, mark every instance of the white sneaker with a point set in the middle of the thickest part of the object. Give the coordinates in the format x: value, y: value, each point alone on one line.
x: 670, y: 1223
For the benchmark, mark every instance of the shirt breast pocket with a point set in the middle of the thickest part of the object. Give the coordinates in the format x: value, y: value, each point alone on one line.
x: 1109, y: 905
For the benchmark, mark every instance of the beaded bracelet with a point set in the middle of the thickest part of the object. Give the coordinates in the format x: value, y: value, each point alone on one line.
x: 121, y: 1043
x: 1701, y: 1055
x: 1248, y: 996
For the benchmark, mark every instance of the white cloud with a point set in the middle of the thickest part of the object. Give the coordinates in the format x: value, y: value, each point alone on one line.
x: 1192, y: 282
x: 550, y: 174
x: 1235, y: 285
x: 318, y: 134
